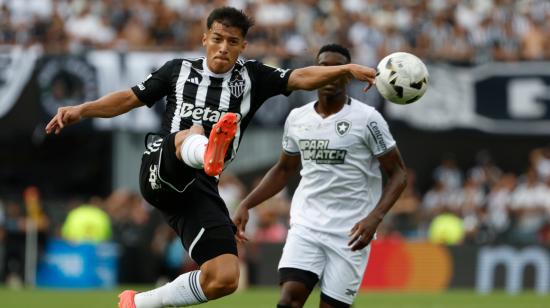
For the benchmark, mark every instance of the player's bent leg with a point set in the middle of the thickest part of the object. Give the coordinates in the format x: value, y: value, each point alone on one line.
x: 329, y: 302
x: 215, y: 250
x: 190, y: 146
x: 296, y: 284
x: 182, y: 291
x: 220, y: 276
x: 216, y: 278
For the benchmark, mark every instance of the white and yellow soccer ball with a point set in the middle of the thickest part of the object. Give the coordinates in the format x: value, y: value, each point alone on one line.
x: 402, y: 78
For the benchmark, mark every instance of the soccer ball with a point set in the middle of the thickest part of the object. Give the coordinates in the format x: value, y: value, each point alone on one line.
x: 401, y: 78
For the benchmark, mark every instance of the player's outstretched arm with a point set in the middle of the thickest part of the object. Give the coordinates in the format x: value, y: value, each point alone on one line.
x: 362, y: 233
x: 274, y: 181
x: 314, y: 77
x: 108, y: 106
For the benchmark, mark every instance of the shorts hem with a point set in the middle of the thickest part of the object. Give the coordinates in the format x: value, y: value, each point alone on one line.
x: 300, y: 267
x: 338, y: 297
x: 213, y: 242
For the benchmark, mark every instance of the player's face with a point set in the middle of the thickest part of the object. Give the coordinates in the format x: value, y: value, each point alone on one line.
x: 223, y: 46
x: 330, y: 58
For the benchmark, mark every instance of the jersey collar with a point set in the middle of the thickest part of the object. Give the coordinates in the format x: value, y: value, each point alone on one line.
x: 212, y: 74
x: 344, y: 109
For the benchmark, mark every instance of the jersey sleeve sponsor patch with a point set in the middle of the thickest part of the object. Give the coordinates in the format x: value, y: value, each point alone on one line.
x: 379, y: 138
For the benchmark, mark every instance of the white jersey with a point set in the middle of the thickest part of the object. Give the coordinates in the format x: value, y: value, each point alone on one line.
x: 341, y: 179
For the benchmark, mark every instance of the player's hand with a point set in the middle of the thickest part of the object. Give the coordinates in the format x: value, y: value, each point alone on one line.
x: 362, y: 233
x: 240, y: 219
x: 362, y: 73
x: 65, y: 116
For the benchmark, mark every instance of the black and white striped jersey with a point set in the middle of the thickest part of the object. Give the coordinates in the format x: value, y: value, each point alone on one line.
x: 194, y: 94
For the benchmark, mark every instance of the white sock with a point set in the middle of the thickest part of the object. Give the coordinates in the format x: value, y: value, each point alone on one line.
x: 183, y: 291
x: 192, y: 150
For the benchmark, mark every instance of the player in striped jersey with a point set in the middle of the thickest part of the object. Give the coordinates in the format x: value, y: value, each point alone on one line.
x: 213, y: 96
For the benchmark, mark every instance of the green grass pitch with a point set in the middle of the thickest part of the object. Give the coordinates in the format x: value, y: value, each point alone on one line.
x: 267, y: 297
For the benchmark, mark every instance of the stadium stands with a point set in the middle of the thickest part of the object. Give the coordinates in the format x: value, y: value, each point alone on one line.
x: 462, y: 32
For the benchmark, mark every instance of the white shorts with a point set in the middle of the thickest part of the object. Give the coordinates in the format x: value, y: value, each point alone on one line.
x: 328, y: 255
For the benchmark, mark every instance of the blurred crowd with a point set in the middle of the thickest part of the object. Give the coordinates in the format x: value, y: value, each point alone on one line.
x: 458, y: 31
x: 483, y: 205
x: 126, y: 219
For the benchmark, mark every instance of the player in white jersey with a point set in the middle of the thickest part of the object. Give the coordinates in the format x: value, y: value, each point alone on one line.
x: 341, y: 144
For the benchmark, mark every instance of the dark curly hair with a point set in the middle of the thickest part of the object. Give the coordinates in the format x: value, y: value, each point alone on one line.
x: 336, y: 48
x: 230, y: 17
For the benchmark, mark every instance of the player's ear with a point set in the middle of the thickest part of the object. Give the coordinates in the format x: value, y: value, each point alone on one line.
x: 204, y: 38
x: 245, y: 43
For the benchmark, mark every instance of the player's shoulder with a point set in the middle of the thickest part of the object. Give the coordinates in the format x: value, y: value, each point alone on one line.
x: 363, y: 110
x: 301, y: 111
x: 360, y: 106
x: 195, y: 63
x: 177, y: 63
x: 245, y: 61
x: 248, y: 62
x: 253, y: 64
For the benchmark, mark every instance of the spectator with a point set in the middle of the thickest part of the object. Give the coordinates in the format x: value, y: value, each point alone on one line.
x: 134, y: 232
x: 457, y: 48
x: 269, y: 229
x: 366, y: 40
x: 87, y: 28
x: 468, y: 203
x: 484, y: 172
x: 269, y: 220
x: 405, y: 211
x: 448, y: 173
x: 274, y: 13
x: 527, y: 209
x: 172, y: 258
x: 533, y: 40
x: 498, y: 203
x: 540, y: 161
x: 14, y: 228
x: 507, y: 44
x: 435, y: 201
x: 35, y: 212
x: 231, y: 190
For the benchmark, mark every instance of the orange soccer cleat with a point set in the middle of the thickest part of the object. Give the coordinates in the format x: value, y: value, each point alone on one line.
x: 126, y: 299
x: 221, y: 135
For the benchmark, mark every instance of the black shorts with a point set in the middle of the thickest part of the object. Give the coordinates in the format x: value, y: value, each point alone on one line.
x: 188, y: 199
